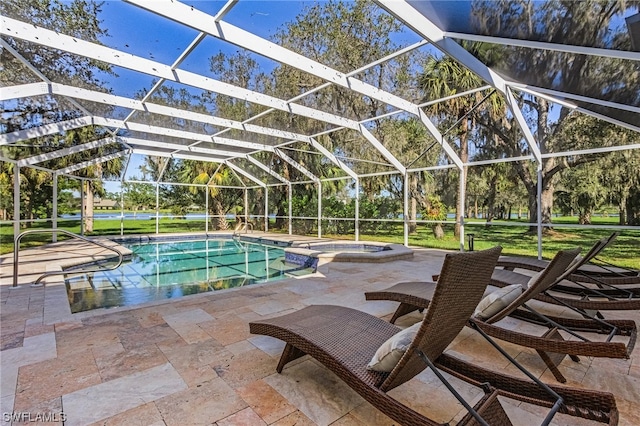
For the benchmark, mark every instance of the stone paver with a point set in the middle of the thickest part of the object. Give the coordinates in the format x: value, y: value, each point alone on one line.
x: 193, y: 360
x: 116, y: 396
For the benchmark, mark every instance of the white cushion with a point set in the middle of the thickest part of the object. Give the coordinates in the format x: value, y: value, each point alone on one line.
x: 497, y: 300
x: 390, y: 352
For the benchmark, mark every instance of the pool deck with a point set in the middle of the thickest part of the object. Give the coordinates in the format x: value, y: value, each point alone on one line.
x: 192, y: 361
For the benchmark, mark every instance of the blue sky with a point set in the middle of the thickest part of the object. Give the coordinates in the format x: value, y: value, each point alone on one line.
x: 142, y: 33
x: 139, y: 32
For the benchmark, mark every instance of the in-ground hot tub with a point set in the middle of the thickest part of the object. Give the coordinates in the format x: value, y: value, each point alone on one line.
x: 311, y: 254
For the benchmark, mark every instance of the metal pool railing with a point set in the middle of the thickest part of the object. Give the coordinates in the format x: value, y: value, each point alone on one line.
x: 16, y: 251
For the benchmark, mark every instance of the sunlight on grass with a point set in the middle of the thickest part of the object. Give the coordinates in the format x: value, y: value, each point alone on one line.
x: 514, y: 239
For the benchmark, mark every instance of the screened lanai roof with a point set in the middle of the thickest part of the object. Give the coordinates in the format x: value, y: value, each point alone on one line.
x: 166, y: 46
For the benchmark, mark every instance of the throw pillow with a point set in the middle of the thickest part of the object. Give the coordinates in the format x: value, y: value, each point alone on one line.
x: 390, y: 352
x: 497, y: 300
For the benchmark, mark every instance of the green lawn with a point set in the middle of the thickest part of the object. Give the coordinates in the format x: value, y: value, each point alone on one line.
x: 100, y: 227
x: 625, y: 251
x: 517, y: 240
x: 514, y: 239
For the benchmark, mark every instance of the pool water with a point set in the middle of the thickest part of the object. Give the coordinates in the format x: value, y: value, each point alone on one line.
x: 170, y: 269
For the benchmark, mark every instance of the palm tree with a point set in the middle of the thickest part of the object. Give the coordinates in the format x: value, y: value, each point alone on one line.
x: 444, y: 77
x: 202, y: 173
x: 107, y: 170
x: 32, y: 188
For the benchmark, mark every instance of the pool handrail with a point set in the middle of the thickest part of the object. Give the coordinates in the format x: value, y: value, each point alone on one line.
x: 243, y: 226
x: 16, y: 250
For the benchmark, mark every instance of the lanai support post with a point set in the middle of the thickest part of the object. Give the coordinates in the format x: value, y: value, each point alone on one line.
x: 266, y: 209
x: 357, y: 214
x: 54, y: 212
x: 124, y: 175
x: 164, y: 167
x: 206, y: 215
x: 121, y: 209
x: 157, y: 208
x: 319, y: 209
x: 246, y: 210
x: 16, y: 201
x: 461, y: 203
x: 82, y: 207
x: 405, y: 215
x: 539, y: 210
x: 290, y: 209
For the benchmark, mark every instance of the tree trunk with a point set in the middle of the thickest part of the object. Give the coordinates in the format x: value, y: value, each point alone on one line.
x: 546, y: 195
x: 533, y: 210
x: 413, y: 202
x: 438, y: 232
x: 585, y: 218
x: 464, y: 156
x: 281, y: 221
x: 29, y: 207
x: 633, y: 212
x: 88, y: 207
x: 413, y: 212
x: 491, y: 200
x: 622, y: 211
x: 547, y: 203
x: 221, y: 219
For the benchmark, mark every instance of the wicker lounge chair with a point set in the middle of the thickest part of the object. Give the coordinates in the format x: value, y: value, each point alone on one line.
x: 345, y: 340
x: 550, y: 345
x: 574, y: 296
x: 591, y: 270
x: 416, y: 295
x: 593, y: 295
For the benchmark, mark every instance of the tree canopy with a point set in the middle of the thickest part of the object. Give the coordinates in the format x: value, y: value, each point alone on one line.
x: 348, y: 36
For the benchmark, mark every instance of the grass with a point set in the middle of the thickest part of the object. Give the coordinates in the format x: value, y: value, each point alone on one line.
x: 514, y: 239
x: 100, y: 227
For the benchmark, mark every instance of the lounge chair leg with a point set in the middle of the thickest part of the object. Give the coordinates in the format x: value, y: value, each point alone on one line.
x: 552, y: 359
x: 289, y: 353
x: 403, y: 309
x: 490, y: 409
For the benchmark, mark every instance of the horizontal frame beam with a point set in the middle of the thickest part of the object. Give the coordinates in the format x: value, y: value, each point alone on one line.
x: 556, y: 47
x: 38, y: 35
x: 85, y: 164
x: 64, y: 152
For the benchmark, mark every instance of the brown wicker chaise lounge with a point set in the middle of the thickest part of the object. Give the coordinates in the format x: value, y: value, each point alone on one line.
x: 591, y: 270
x: 345, y: 340
x: 594, y: 295
x: 585, y: 299
x: 550, y: 345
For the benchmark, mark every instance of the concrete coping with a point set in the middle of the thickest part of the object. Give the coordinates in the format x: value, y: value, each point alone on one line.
x: 338, y: 251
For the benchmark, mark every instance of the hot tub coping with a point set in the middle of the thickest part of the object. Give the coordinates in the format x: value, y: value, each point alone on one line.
x: 389, y: 252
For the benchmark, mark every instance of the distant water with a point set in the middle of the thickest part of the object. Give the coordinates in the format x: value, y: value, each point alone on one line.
x: 138, y: 216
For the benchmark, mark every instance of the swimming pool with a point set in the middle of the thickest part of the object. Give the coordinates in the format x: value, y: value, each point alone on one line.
x: 169, y: 269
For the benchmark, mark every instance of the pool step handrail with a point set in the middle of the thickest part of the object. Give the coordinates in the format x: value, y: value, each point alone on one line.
x: 243, y: 226
x: 16, y: 252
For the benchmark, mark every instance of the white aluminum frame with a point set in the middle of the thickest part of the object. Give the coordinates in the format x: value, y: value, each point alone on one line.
x: 214, y: 26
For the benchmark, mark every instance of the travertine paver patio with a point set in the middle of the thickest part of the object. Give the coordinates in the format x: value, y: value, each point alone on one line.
x: 193, y: 361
